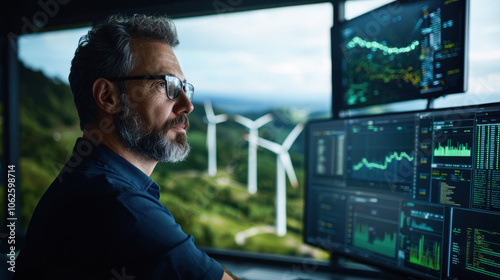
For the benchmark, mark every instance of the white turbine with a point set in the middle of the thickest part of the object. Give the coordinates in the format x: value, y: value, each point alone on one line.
x: 283, y: 164
x: 212, y: 121
x: 253, y: 127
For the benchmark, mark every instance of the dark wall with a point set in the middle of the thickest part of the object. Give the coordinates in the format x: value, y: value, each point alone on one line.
x: 28, y: 16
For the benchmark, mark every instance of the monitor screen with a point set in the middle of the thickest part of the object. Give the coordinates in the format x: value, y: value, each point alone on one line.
x: 415, y: 192
x: 405, y: 50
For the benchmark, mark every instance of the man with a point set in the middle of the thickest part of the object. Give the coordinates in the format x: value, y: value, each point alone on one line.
x: 101, y: 217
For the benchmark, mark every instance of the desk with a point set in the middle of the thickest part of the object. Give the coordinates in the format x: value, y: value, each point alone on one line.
x: 265, y: 268
x: 253, y: 271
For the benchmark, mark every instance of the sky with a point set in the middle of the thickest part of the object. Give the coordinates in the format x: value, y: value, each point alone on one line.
x: 259, y: 53
x: 276, y: 53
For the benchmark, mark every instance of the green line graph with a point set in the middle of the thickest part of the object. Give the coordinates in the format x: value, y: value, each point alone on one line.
x: 388, y: 159
x: 374, y: 45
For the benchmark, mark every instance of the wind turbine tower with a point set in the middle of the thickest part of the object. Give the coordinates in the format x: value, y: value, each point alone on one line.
x: 212, y: 120
x: 283, y: 165
x: 253, y: 127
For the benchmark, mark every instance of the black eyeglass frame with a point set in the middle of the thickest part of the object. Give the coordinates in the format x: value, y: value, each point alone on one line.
x: 186, y: 87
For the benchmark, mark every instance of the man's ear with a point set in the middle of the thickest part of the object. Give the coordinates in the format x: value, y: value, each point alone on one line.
x: 106, y: 96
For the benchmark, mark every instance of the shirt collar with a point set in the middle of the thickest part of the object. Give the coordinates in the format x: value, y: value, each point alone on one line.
x: 86, y: 149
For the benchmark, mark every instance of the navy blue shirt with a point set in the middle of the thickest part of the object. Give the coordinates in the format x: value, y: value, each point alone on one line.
x: 101, y: 219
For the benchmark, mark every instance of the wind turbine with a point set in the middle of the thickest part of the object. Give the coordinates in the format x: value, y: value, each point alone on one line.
x: 253, y: 127
x: 212, y: 120
x: 283, y: 164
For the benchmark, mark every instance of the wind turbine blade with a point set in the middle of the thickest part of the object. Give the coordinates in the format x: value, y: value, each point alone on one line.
x: 209, y: 111
x: 263, y: 120
x: 220, y: 118
x: 244, y: 121
x: 273, y: 147
x: 287, y: 164
x: 292, y: 136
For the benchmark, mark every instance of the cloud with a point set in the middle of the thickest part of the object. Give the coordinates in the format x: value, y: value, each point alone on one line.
x: 50, y: 52
x: 274, y: 51
x: 485, y: 55
x: 356, y: 8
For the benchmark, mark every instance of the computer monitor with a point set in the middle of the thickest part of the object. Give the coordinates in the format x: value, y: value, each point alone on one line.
x: 416, y: 192
x: 405, y: 50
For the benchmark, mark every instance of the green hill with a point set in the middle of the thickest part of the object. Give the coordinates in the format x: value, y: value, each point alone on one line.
x: 213, y: 209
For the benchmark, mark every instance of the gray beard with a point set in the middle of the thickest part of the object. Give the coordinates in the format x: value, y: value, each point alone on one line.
x: 152, y: 144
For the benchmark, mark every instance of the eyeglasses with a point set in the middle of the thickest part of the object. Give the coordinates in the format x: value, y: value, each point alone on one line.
x: 173, y: 85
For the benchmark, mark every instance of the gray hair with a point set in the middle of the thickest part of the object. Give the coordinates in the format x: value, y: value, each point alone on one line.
x: 105, y: 53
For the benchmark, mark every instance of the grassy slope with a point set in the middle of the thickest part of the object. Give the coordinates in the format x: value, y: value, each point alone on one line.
x: 213, y: 209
